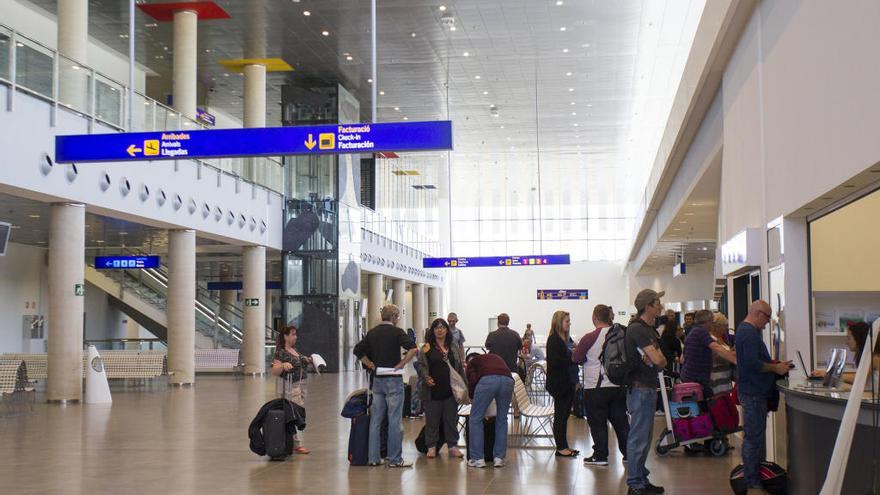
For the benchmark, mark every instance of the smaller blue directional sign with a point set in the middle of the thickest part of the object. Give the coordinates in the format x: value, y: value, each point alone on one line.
x: 126, y: 262
x: 565, y: 294
x: 497, y: 261
x: 262, y: 141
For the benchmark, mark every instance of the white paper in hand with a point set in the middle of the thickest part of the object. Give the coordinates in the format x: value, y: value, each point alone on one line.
x: 388, y: 372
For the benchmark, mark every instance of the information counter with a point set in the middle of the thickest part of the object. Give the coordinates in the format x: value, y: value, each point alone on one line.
x: 813, y: 417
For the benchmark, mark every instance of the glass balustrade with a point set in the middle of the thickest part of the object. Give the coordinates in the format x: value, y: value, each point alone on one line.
x: 71, y: 85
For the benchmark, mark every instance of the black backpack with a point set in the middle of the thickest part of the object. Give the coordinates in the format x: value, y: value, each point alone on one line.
x: 613, y: 357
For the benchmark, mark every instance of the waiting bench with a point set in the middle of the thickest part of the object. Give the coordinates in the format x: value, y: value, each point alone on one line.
x: 217, y: 360
x: 16, y: 393
x: 117, y: 364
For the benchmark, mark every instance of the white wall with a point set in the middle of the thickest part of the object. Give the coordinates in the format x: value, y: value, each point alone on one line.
x: 40, y: 25
x: 22, y: 283
x: 477, y: 294
x: 102, y: 321
x: 698, y: 284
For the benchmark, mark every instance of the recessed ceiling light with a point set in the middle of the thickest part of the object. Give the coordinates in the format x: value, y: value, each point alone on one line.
x: 123, y: 36
x: 413, y: 35
x: 577, y: 125
x: 33, y: 216
x: 381, y: 93
x: 562, y: 28
x: 325, y: 33
x: 349, y: 58
x: 99, y: 241
x: 558, y: 3
x: 485, y: 92
x: 573, y: 103
x: 476, y: 77
x: 306, y: 13
x: 574, y: 113
x: 585, y: 45
x: 452, y: 28
x: 442, y: 8
x: 225, y: 74
x: 568, y: 74
x: 570, y: 90
x: 123, y: 233
x: 396, y: 109
x: 502, y: 127
x: 370, y: 81
x: 589, y: 105
x: 466, y: 54
x: 565, y: 50
x: 406, y: 118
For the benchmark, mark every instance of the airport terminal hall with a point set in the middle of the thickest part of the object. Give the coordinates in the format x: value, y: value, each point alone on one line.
x: 451, y: 247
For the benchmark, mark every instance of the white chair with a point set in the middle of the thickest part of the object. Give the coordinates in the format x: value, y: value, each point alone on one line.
x: 535, y: 421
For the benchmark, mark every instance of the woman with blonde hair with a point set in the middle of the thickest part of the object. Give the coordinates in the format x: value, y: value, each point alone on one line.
x: 722, y: 374
x: 562, y: 377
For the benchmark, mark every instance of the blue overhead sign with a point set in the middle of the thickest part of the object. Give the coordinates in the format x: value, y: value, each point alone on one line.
x: 579, y: 294
x: 268, y: 141
x: 126, y: 262
x: 484, y: 261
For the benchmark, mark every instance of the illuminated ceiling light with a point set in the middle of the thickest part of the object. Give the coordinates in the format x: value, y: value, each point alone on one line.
x: 412, y: 35
x: 466, y: 54
x: 349, y: 58
x: 442, y: 8
x: 570, y: 90
x: 562, y: 29
x: 452, y: 28
x: 558, y: 3
x: 396, y: 109
x: 306, y: 13
x: 476, y: 77
x: 381, y: 93
x: 406, y: 118
x: 573, y: 103
x: 589, y: 105
x: 33, y: 216
x: 325, y: 33
x: 574, y: 113
x: 585, y: 45
x: 568, y: 74
x: 370, y: 81
x: 502, y: 127
x: 485, y: 92
x: 565, y: 50
x: 577, y: 125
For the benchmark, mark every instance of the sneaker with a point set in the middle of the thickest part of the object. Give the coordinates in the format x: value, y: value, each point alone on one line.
x: 654, y: 488
x: 400, y: 464
x: 374, y: 464
x: 637, y: 491
x: 595, y: 461
x: 477, y: 463
x: 659, y: 413
x: 499, y: 462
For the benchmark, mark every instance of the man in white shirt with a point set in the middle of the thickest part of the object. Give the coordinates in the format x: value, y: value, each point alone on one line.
x: 457, y: 334
x: 604, y: 400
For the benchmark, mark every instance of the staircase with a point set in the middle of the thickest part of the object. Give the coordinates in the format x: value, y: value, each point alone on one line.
x: 141, y: 294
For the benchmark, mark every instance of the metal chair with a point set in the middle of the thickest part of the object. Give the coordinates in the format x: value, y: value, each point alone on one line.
x: 535, y: 421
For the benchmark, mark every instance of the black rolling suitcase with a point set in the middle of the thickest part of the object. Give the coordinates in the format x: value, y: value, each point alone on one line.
x: 488, y: 439
x: 407, y: 401
x: 275, y: 435
x: 359, y: 440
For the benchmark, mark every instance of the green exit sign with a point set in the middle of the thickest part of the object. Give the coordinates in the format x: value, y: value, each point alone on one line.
x: 252, y: 301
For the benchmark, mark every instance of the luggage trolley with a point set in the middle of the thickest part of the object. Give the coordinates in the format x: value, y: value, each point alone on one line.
x: 715, y: 444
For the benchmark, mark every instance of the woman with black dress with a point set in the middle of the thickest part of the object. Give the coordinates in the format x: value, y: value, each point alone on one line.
x: 290, y: 368
x: 437, y: 398
x: 562, y: 378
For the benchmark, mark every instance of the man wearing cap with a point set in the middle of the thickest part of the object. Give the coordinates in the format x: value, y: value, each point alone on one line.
x: 643, y: 354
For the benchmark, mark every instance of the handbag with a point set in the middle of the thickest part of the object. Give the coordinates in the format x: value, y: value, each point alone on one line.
x: 458, y: 385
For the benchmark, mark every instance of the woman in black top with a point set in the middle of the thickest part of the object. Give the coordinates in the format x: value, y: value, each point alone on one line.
x: 562, y: 377
x: 437, y: 398
x: 670, y: 343
x: 290, y: 368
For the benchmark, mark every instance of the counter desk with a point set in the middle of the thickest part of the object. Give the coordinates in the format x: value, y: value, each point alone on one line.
x: 814, y: 415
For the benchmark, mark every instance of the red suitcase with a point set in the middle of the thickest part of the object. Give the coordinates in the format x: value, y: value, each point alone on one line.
x: 724, y: 413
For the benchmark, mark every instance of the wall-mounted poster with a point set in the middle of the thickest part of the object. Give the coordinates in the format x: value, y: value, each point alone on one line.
x: 826, y: 321
x: 847, y: 317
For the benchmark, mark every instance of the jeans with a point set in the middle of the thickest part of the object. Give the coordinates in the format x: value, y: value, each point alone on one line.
x: 443, y: 412
x: 561, y: 411
x: 754, y: 448
x: 641, y: 403
x: 606, y: 404
x: 499, y: 388
x: 387, y: 400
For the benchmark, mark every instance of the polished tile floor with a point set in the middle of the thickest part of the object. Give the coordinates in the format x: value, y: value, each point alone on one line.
x: 163, y: 440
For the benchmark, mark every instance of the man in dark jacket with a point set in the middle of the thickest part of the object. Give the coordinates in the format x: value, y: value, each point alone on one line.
x: 379, y: 352
x: 488, y: 378
x: 504, y: 342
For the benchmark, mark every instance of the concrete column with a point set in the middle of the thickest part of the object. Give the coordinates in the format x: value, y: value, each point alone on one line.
x: 254, y: 290
x: 180, y: 307
x: 255, y: 95
x: 420, y: 311
x: 434, y: 308
x: 375, y: 299
x: 185, y: 62
x: 73, y: 29
x: 398, y: 298
x: 67, y: 227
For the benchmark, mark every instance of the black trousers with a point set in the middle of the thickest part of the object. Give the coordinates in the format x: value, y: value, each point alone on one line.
x: 603, y: 405
x: 561, y: 410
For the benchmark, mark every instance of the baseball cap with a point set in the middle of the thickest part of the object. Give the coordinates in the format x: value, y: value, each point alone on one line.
x: 646, y: 297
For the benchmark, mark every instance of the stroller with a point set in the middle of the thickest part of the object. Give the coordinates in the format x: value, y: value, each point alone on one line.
x: 693, y: 423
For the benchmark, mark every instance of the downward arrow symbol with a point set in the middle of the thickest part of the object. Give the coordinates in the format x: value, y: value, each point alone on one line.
x: 311, y: 142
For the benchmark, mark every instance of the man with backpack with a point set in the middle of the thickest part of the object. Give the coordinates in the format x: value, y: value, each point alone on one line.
x: 605, y: 401
x: 643, y: 360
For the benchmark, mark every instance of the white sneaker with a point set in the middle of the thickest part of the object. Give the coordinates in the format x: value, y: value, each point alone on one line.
x: 499, y: 462
x: 401, y: 464
x: 477, y: 463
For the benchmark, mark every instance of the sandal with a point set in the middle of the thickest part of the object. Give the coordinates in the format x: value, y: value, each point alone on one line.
x: 301, y: 450
x: 570, y: 453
